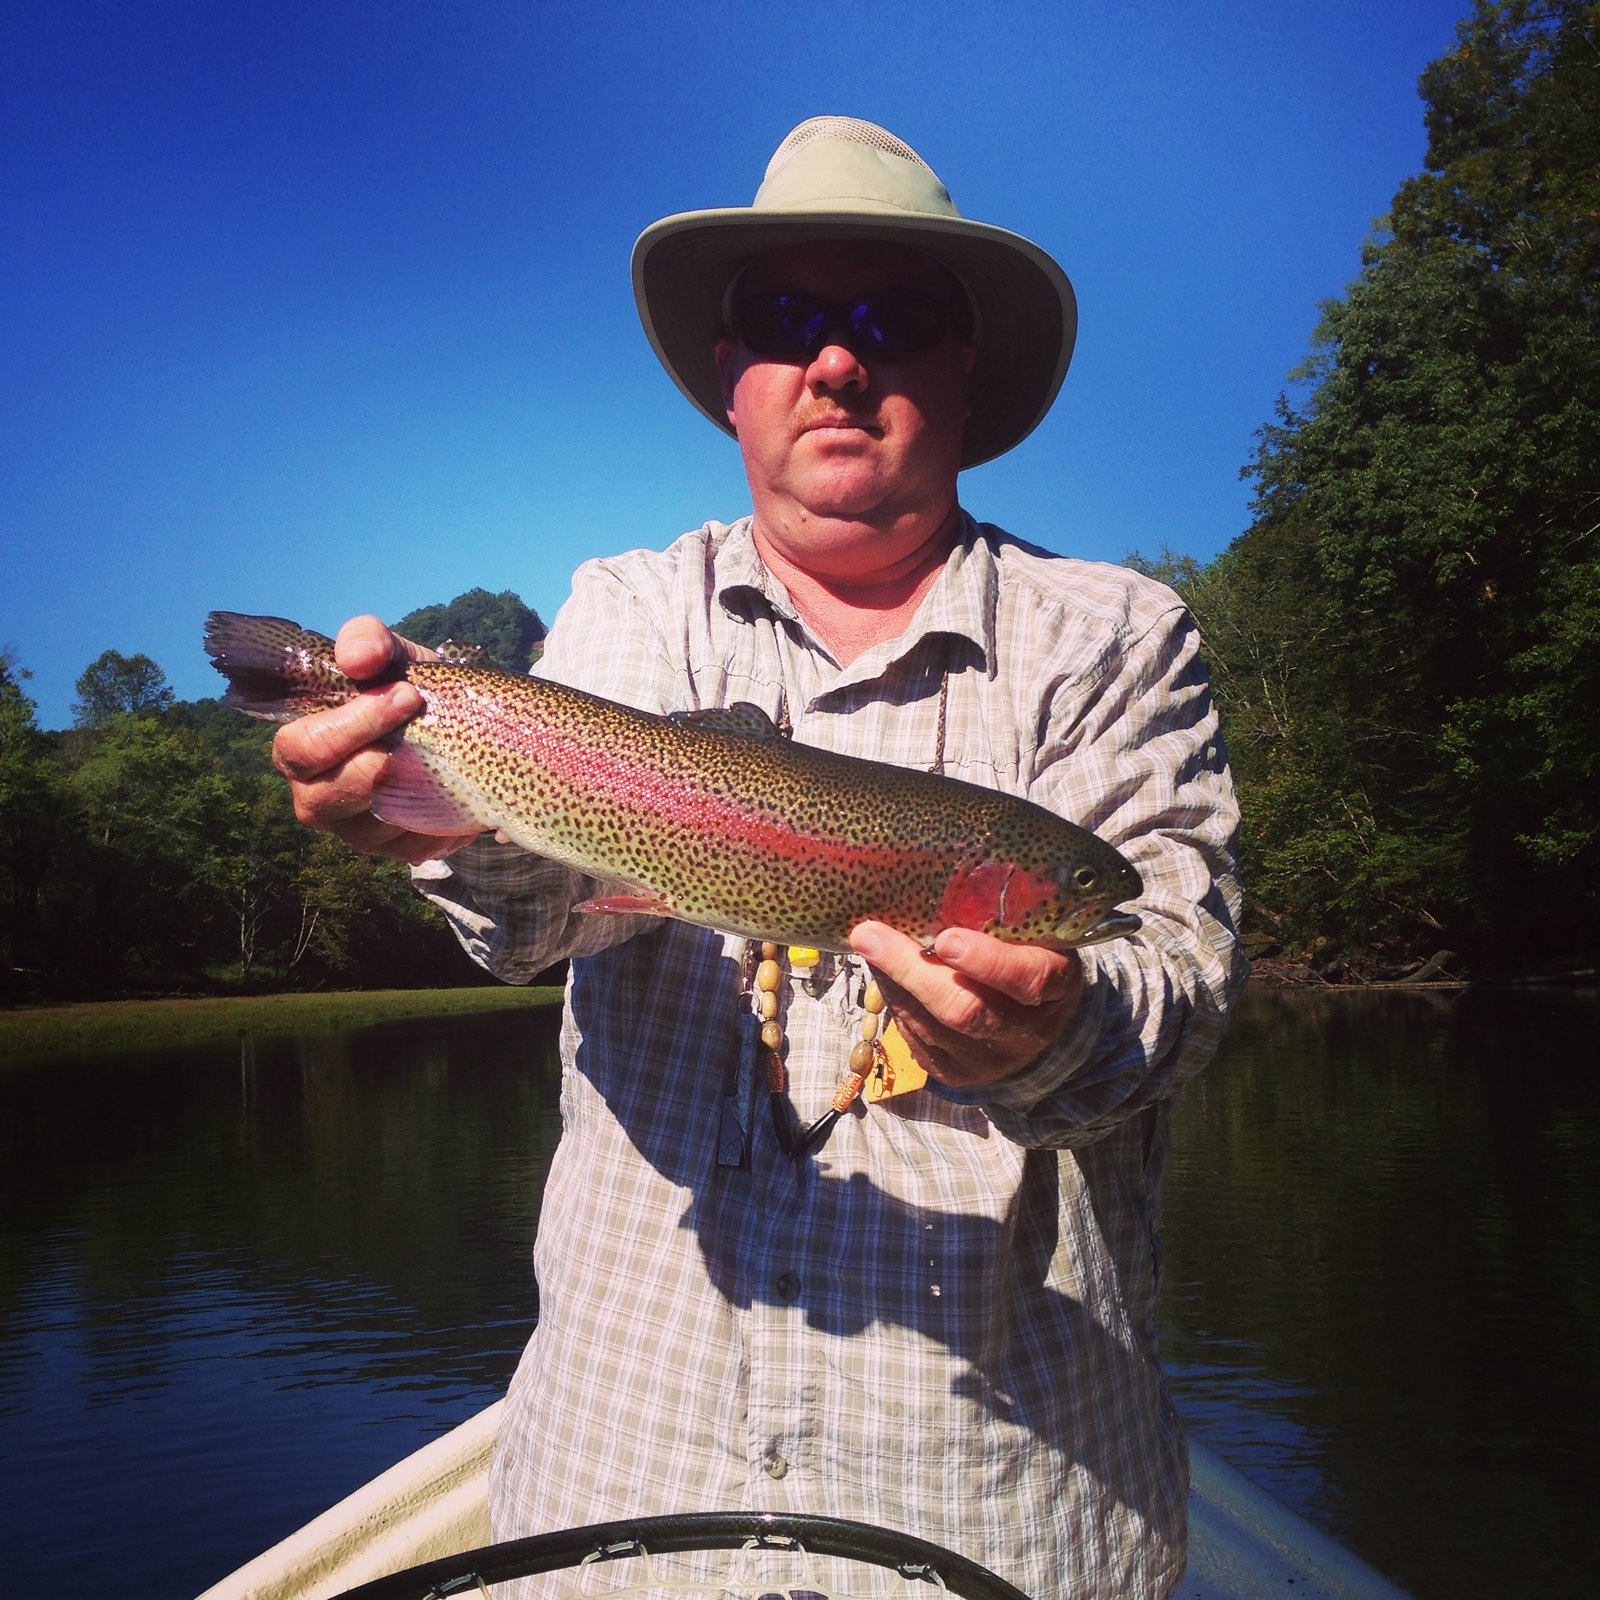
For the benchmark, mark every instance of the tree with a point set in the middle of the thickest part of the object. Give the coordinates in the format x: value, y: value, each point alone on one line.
x: 242, y: 744
x: 28, y: 806
x: 1441, y: 486
x: 115, y: 685
x: 147, y: 891
x: 508, y: 631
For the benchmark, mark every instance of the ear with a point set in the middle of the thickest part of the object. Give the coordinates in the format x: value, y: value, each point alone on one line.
x: 726, y: 354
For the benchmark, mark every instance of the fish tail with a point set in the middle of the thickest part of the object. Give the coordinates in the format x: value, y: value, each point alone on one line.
x: 276, y: 670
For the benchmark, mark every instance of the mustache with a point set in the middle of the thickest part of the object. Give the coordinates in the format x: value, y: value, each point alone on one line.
x: 822, y: 412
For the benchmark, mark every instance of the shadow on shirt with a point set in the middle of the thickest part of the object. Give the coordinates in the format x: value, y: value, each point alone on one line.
x: 988, y: 1307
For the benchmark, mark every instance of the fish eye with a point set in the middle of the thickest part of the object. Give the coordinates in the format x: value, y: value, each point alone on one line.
x: 1085, y: 877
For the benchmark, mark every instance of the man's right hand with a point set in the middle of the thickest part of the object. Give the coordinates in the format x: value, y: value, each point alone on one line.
x: 332, y: 759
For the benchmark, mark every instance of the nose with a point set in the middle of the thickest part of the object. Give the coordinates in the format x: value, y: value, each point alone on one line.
x: 836, y: 366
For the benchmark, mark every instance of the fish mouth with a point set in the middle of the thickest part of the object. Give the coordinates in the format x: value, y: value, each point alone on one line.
x: 1114, y: 925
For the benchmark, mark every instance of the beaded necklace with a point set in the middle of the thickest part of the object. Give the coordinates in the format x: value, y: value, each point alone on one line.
x: 866, y: 1054
x: 879, y: 1060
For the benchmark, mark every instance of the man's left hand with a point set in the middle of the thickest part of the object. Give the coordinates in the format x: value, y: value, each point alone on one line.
x: 975, y: 1009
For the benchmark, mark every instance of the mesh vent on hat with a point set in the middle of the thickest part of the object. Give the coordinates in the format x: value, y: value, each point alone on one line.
x: 852, y: 129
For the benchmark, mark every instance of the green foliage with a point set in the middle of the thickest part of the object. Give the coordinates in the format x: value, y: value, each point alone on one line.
x: 115, y: 685
x: 93, y: 1027
x: 154, y: 848
x: 28, y: 808
x: 242, y: 744
x: 500, y: 624
x: 155, y: 819
x: 1406, y: 636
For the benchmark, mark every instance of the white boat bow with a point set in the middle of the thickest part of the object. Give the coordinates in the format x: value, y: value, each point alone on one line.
x: 1243, y: 1544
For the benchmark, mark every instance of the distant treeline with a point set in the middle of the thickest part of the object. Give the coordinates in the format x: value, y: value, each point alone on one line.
x: 152, y: 847
x: 1405, y: 642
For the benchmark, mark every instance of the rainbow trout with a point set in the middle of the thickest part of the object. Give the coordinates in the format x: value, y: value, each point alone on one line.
x: 711, y: 817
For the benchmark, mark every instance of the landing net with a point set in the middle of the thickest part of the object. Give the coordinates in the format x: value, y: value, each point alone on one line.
x: 711, y: 1556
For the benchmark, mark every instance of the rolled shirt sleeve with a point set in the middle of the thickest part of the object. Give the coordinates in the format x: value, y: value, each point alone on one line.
x: 1137, y: 757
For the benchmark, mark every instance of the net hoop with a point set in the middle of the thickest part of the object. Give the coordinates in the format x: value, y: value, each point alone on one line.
x: 471, y: 1571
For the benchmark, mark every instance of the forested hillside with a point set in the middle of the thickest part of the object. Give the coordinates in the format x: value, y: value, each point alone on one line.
x: 1406, y: 640
x: 151, y: 847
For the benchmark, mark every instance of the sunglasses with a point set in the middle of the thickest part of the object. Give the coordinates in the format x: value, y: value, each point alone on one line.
x: 794, y: 327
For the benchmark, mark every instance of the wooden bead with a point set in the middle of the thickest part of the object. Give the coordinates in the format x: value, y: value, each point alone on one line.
x: 849, y: 1087
x: 767, y: 979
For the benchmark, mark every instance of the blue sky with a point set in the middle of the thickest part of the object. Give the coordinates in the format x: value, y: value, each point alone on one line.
x: 317, y: 308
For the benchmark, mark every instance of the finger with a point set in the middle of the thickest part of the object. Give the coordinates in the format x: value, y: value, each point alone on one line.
x: 963, y: 1030
x: 315, y: 745
x: 916, y: 983
x: 892, y: 955
x: 367, y: 650
x: 1028, y: 974
x: 341, y: 793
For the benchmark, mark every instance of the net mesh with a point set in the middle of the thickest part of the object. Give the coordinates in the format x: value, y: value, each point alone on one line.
x: 852, y: 129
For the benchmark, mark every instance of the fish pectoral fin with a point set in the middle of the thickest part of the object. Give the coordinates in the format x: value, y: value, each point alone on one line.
x: 410, y: 795
x: 740, y: 717
x: 617, y: 905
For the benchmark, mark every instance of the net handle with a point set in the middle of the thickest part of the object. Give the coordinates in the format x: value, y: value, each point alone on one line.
x: 468, y: 1572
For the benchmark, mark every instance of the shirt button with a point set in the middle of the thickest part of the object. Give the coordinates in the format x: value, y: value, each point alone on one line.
x: 775, y: 1466
x: 788, y: 1286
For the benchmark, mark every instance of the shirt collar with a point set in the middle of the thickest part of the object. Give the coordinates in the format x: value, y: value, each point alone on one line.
x: 961, y: 602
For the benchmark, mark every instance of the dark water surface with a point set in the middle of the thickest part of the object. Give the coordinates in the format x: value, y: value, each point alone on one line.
x: 236, y: 1283
x: 1383, y: 1290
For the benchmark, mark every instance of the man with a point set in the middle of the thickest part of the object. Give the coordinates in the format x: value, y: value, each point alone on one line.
x: 937, y: 1314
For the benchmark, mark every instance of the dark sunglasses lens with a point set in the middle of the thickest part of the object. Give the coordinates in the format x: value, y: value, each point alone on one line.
x: 781, y: 325
x: 900, y: 324
x: 789, y: 327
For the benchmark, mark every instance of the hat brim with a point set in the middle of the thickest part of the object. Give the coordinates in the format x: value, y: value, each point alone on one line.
x: 1028, y: 312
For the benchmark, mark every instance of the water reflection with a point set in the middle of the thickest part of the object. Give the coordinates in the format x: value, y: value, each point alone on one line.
x: 1382, y: 1250
x: 234, y: 1285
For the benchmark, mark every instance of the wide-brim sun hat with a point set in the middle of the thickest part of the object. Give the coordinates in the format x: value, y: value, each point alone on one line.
x: 842, y: 178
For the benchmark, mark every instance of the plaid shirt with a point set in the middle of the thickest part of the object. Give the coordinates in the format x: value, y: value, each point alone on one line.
x: 943, y: 1322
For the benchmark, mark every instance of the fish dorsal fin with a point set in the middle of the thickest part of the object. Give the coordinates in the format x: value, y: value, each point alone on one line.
x: 455, y: 654
x: 741, y: 717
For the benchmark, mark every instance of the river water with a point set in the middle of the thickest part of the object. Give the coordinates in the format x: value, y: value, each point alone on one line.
x: 237, y: 1282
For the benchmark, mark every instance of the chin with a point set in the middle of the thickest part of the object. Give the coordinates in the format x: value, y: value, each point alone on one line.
x: 846, y: 488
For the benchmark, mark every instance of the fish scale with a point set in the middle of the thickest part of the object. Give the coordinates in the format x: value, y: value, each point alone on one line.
x: 714, y: 818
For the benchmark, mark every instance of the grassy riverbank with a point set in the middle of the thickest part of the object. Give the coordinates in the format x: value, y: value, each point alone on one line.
x: 29, y: 1032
